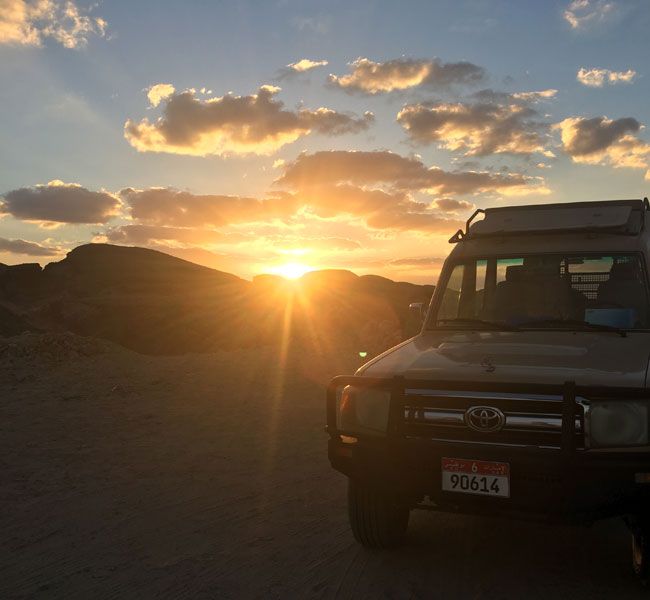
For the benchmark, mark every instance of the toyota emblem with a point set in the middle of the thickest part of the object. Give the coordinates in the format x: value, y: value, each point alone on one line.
x: 484, y: 419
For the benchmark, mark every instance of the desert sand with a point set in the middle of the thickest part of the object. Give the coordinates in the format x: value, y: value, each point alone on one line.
x: 206, y: 476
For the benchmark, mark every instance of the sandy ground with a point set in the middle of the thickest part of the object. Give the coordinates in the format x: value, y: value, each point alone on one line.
x: 127, y: 476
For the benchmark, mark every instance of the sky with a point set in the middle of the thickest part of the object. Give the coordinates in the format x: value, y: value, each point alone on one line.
x: 280, y: 136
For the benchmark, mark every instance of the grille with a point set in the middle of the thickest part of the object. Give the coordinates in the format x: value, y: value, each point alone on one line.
x: 529, y: 420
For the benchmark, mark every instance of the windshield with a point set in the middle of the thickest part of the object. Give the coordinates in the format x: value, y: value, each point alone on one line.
x: 546, y: 291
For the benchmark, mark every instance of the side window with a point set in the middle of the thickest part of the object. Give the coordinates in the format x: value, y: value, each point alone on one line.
x: 480, y: 287
x: 465, y: 292
x: 451, y: 298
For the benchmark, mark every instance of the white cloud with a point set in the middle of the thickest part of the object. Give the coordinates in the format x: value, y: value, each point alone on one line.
x: 369, y: 77
x: 28, y: 23
x: 305, y: 64
x: 580, y: 14
x: 157, y: 93
x: 319, y: 24
x: 599, y: 77
x: 254, y: 124
x: 492, y: 123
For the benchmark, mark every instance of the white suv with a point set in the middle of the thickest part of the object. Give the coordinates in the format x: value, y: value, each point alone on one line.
x: 526, y: 391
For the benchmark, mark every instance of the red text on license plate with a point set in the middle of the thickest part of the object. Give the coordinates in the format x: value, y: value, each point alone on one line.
x: 479, y: 477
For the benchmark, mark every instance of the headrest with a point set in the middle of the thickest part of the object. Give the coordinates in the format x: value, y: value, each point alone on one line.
x: 624, y: 270
x: 515, y: 273
x: 543, y: 272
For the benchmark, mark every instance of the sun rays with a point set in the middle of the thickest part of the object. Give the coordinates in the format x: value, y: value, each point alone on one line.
x: 291, y: 270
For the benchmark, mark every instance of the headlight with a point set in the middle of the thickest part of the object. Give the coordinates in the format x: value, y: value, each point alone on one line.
x: 363, y: 410
x: 616, y: 423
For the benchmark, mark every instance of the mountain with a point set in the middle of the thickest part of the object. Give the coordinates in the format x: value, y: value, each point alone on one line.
x: 155, y: 303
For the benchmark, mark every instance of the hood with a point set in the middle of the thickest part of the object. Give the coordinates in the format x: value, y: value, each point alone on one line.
x: 588, y: 358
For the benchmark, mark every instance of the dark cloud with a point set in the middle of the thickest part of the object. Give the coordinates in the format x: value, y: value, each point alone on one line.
x: 603, y: 141
x: 369, y: 77
x: 257, y: 124
x: 59, y: 202
x: 146, y: 234
x: 28, y: 248
x: 453, y: 205
x: 582, y: 136
x: 491, y: 123
x: 169, y: 207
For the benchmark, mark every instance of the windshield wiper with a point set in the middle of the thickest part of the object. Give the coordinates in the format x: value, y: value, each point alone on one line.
x: 480, y: 322
x: 569, y: 323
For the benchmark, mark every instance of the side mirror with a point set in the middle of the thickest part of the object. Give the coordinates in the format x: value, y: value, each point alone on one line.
x: 418, y: 309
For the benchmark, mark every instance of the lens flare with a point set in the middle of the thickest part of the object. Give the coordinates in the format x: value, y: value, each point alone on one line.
x: 291, y: 270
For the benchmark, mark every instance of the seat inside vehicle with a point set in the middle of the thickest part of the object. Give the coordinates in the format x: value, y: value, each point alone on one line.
x: 536, y: 292
x: 624, y: 290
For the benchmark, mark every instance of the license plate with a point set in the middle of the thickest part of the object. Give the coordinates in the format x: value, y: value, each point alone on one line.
x: 480, y: 477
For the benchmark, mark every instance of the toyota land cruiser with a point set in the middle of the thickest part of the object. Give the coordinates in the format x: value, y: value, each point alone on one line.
x: 526, y: 391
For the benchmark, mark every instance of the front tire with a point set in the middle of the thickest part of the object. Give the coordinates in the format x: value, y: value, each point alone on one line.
x: 377, y: 518
x: 641, y: 553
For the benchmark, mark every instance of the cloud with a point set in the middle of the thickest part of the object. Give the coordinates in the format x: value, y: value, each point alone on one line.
x: 313, y: 243
x: 599, y: 77
x: 29, y: 23
x: 189, y: 237
x: 139, y: 234
x: 398, y: 172
x: 319, y: 24
x: 369, y: 77
x: 299, y: 67
x: 167, y: 214
x: 28, y: 248
x: 255, y: 124
x: 453, y: 205
x: 168, y: 207
x: 581, y: 137
x: 492, y: 123
x: 305, y: 64
x: 605, y: 141
x: 378, y: 209
x: 379, y: 187
x: 428, y: 261
x: 157, y: 93
x: 59, y: 202
x: 581, y: 14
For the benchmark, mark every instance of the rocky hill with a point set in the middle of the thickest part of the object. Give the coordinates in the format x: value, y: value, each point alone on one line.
x: 158, y: 304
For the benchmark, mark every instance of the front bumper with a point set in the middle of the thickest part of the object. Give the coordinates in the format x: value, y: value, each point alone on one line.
x: 566, y: 483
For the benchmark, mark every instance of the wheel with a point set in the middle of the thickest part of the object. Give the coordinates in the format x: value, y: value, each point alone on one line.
x: 641, y: 553
x: 377, y: 519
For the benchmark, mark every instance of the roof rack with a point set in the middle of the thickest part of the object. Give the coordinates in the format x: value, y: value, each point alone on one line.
x: 610, y: 216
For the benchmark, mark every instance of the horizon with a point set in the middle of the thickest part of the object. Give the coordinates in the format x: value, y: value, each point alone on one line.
x: 289, y: 275
x: 268, y: 149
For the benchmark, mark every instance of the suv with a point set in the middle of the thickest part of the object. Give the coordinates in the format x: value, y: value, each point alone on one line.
x: 525, y: 392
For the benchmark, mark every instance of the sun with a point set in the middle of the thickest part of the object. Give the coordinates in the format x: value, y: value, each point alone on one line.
x: 291, y: 270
